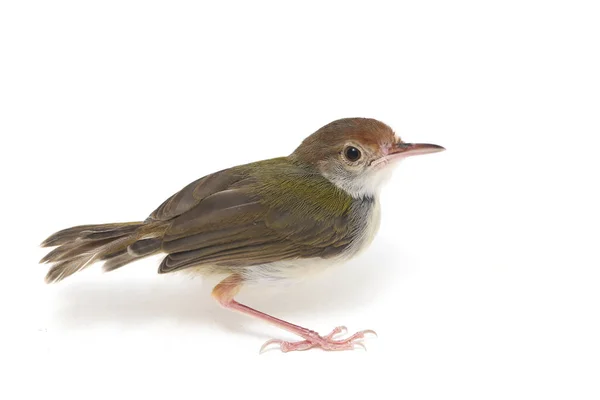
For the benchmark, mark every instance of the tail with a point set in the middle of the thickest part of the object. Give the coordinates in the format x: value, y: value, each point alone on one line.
x: 117, y: 244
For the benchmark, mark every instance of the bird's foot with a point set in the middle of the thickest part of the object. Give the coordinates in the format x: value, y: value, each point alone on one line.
x: 327, y: 342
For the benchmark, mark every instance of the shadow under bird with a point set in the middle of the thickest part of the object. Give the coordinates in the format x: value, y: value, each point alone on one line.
x: 269, y: 221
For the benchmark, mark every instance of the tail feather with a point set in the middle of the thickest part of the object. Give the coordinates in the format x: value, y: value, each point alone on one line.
x: 72, y: 249
x: 62, y: 269
x: 136, y: 251
x: 77, y: 232
x: 126, y: 230
x: 81, y: 246
x: 119, y: 261
x: 145, y: 246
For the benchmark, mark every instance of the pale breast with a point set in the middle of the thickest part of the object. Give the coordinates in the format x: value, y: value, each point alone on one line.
x: 367, y: 218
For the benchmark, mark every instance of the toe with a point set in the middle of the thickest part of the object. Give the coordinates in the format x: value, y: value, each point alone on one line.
x: 339, y: 330
x: 296, y: 346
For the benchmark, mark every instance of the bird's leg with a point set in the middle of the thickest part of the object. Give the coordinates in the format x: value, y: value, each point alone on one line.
x: 228, y: 288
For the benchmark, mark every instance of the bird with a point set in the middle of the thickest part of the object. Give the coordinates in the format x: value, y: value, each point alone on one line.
x: 271, y: 221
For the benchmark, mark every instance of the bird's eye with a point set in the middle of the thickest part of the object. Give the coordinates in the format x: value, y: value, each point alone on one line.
x: 352, y: 153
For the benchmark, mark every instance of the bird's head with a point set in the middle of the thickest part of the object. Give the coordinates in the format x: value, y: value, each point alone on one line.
x: 357, y: 154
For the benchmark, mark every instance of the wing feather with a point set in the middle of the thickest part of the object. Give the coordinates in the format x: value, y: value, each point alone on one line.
x: 224, y: 219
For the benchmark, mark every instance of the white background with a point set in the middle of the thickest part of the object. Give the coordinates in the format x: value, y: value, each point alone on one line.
x: 483, y: 282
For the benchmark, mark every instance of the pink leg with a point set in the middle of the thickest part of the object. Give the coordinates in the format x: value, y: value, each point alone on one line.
x: 225, y: 292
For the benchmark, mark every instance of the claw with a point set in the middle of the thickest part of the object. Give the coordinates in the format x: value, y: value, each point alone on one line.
x: 360, y: 344
x: 325, y: 342
x: 371, y: 331
x: 357, y: 335
x: 263, y: 348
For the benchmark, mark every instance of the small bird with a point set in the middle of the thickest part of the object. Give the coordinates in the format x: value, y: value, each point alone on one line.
x: 271, y: 221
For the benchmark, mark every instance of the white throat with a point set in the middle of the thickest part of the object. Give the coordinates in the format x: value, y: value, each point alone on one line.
x: 367, y: 184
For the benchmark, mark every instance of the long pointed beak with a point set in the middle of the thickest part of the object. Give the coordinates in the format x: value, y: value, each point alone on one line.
x: 414, y: 149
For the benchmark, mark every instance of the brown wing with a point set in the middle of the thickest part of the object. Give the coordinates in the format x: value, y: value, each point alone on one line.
x: 222, y: 220
x: 194, y: 193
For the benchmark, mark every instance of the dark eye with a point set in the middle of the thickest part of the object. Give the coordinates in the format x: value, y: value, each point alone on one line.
x: 352, y: 153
